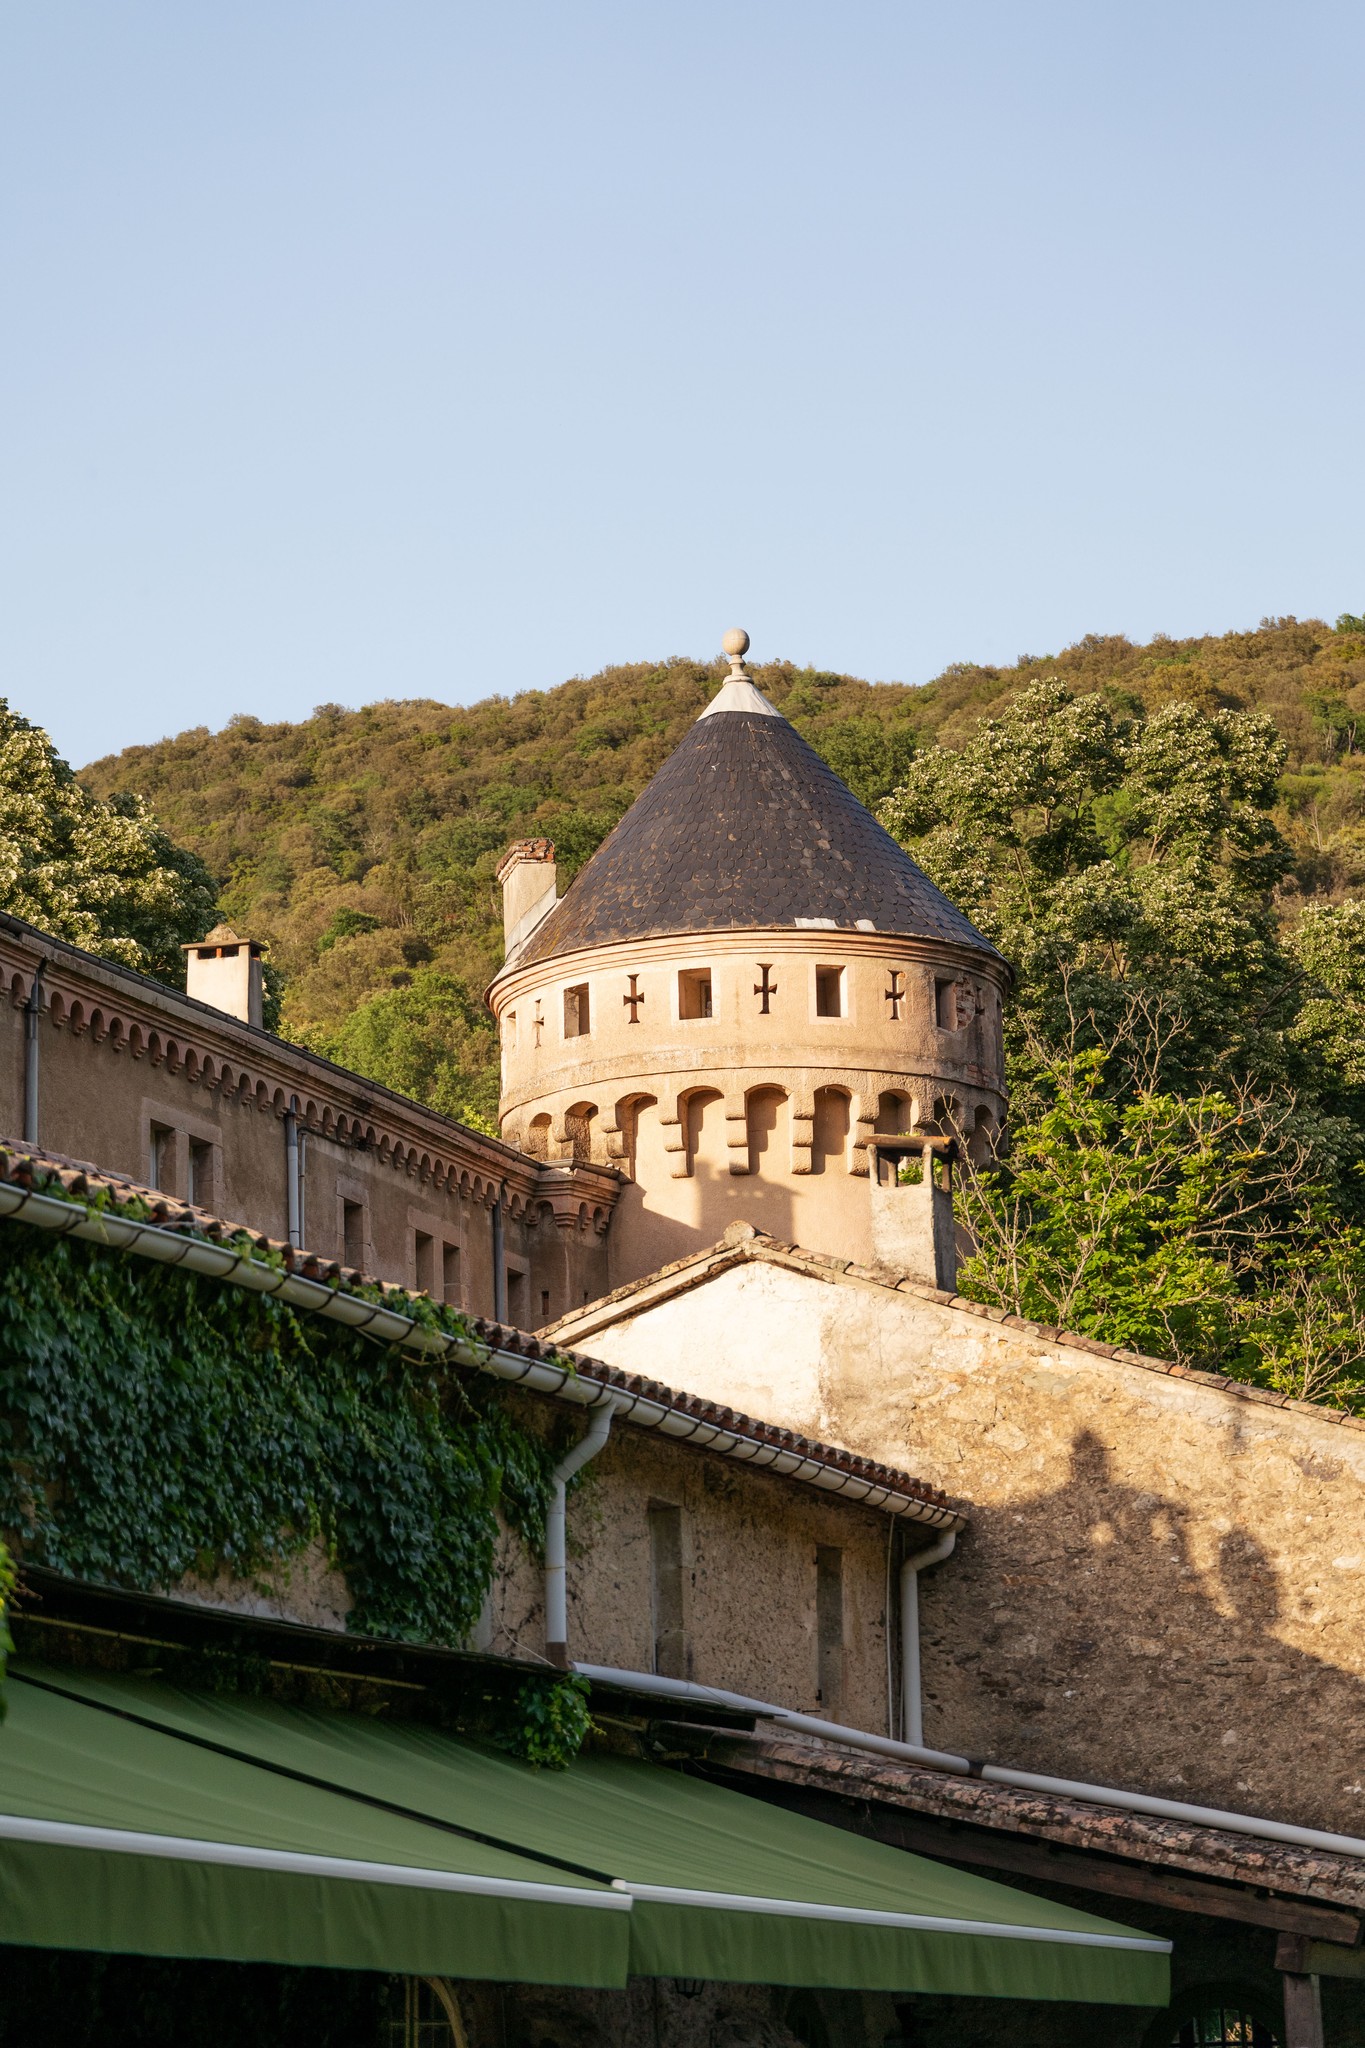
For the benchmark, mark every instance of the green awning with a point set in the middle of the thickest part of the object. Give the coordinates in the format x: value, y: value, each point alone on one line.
x: 720, y: 1885
x: 117, y: 1837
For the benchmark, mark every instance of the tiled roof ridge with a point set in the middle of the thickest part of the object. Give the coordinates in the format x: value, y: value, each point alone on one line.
x: 743, y: 1243
x: 32, y: 1169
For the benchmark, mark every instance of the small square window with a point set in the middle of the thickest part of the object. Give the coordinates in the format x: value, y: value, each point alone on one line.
x: 694, y: 992
x: 829, y: 991
x: 577, y: 1016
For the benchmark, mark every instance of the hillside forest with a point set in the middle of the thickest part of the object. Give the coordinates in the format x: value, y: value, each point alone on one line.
x: 1167, y: 840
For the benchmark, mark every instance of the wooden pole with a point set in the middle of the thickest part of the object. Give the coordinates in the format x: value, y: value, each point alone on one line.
x: 1302, y: 2012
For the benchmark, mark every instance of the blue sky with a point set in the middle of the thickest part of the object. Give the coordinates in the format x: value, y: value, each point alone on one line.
x: 414, y: 349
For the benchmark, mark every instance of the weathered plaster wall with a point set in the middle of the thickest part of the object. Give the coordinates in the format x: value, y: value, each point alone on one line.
x: 1163, y: 1584
x: 749, y: 1545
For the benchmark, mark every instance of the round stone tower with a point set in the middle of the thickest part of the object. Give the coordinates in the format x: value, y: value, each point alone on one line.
x: 746, y: 985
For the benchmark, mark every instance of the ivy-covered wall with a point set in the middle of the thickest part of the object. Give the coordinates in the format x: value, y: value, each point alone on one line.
x: 156, y: 1423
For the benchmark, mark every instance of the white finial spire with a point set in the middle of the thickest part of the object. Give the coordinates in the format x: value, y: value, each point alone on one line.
x: 737, y: 692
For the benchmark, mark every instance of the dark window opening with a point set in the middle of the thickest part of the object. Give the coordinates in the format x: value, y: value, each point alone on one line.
x: 666, y: 1589
x: 200, y: 1189
x: 829, y: 1625
x: 694, y: 992
x: 945, y: 1005
x: 353, y: 1233
x: 162, y: 1172
x: 450, y: 1274
x: 545, y: 1304
x: 424, y: 1261
x: 1224, y: 2026
x: 516, y: 1298
x: 829, y: 991
x: 577, y: 1016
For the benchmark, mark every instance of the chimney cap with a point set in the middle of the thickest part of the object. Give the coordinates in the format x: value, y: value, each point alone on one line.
x: 222, y: 935
x: 524, y: 849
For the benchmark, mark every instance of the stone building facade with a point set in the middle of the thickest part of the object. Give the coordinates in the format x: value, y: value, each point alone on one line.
x: 179, y: 1094
x: 746, y: 986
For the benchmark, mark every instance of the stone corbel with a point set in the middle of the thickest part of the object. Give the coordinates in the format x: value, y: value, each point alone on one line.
x: 801, y: 1112
x: 864, y: 1131
x: 674, y: 1130
x: 737, y: 1133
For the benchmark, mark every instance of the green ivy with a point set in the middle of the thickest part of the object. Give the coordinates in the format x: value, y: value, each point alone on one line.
x: 155, y: 1422
x: 550, y: 1722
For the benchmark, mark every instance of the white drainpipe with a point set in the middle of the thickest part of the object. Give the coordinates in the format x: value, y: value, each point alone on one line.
x: 556, y: 1588
x: 912, y: 1695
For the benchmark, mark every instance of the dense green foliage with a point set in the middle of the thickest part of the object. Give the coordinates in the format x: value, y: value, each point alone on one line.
x: 156, y: 1423
x: 362, y: 844
x: 99, y: 872
x: 1188, y: 1118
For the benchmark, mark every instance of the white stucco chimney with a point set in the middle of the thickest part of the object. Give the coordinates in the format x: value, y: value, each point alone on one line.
x: 224, y: 969
x: 529, y: 889
x: 910, y: 1183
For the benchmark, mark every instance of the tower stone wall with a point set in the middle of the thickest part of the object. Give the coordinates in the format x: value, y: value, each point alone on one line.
x: 747, y: 984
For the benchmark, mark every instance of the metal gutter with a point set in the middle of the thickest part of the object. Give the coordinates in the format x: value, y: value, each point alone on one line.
x: 567, y: 1382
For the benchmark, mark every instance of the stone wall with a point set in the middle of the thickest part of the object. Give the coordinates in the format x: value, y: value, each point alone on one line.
x: 1163, y: 1583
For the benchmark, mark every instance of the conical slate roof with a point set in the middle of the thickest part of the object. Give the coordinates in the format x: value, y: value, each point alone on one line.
x: 745, y: 828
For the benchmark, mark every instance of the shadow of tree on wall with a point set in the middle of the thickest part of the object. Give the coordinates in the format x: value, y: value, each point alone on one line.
x: 1111, y: 1633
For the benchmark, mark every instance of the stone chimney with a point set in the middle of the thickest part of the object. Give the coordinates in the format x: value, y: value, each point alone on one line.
x: 910, y: 1180
x: 225, y: 970
x: 529, y: 889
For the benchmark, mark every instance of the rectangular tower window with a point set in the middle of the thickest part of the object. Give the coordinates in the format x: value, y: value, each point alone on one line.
x: 516, y: 1297
x: 829, y: 991
x: 577, y: 1018
x: 694, y: 992
x: 545, y: 1304
x: 353, y: 1233
x: 829, y: 1625
x: 666, y: 1589
x: 200, y: 1189
x: 945, y: 1005
x: 424, y: 1261
x: 450, y: 1275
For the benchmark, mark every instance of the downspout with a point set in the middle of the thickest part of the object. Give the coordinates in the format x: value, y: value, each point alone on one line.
x: 33, y: 1010
x: 499, y: 1260
x: 556, y: 1589
x: 912, y: 1695
x: 293, y: 1178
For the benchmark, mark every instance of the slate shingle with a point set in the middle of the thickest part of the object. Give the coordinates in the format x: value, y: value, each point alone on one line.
x: 745, y: 828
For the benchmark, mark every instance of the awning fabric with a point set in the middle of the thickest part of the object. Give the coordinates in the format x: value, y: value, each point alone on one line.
x: 718, y: 1885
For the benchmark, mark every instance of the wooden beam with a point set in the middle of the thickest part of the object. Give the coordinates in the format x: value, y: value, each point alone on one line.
x: 1027, y: 1856
x: 1308, y: 1958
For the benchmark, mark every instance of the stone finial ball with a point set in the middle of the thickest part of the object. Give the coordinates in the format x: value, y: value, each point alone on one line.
x: 736, y: 641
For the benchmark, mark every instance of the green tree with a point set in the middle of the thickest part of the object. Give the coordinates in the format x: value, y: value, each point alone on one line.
x: 1126, y: 867
x: 1194, y: 1228
x: 99, y: 872
x: 433, y: 1040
